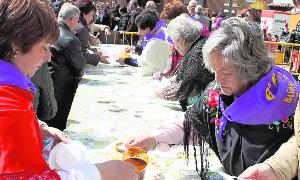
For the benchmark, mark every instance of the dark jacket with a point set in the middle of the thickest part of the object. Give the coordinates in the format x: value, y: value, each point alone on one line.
x: 106, y: 20
x: 132, y: 27
x: 44, y: 102
x: 83, y: 34
x: 67, y: 68
x: 123, y: 22
x: 67, y: 60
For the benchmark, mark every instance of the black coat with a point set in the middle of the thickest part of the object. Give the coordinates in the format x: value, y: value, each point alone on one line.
x: 67, y: 68
x: 123, y: 22
x: 83, y: 34
x: 106, y: 20
x: 67, y: 60
x: 132, y: 27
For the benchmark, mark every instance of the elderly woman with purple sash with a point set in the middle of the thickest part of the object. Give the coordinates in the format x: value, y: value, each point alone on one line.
x: 246, y: 113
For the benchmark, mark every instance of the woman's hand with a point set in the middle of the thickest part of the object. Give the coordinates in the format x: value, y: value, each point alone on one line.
x: 54, y: 133
x: 102, y: 58
x: 145, y: 142
x: 115, y: 170
x: 260, y: 171
x: 129, y: 49
x: 107, y: 31
x: 158, y: 75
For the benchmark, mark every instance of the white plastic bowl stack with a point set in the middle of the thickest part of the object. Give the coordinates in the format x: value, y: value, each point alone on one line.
x: 65, y: 156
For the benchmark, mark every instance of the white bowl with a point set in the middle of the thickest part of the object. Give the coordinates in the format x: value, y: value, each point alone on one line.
x: 66, y: 155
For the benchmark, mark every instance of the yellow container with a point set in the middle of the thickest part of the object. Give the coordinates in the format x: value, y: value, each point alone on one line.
x: 136, y: 156
x: 124, y: 55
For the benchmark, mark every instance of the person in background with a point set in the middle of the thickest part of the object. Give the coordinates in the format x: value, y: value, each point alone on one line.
x: 102, y: 17
x: 191, y: 8
x: 254, y: 15
x: 123, y: 19
x: 202, y: 19
x: 170, y: 11
x: 151, y: 6
x: 28, y: 27
x: 295, y: 38
x: 67, y: 65
x: 82, y: 32
x: 147, y: 28
x: 44, y: 103
x: 132, y: 9
x: 173, y: 9
x: 238, y: 113
x: 192, y: 77
x: 115, y: 15
x: 218, y: 21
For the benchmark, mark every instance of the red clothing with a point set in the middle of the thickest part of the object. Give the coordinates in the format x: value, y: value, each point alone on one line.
x: 20, y: 137
x: 176, y: 58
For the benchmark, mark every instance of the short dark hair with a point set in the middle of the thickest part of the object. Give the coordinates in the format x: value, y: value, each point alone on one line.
x: 86, y: 8
x: 25, y: 23
x: 123, y: 9
x: 146, y: 19
x: 254, y: 15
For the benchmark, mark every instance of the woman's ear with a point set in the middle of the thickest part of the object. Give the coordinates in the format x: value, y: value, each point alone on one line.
x: 14, y: 47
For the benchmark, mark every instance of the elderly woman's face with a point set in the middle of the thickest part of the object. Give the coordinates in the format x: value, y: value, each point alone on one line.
x: 31, y: 61
x: 226, y: 75
x: 180, y: 46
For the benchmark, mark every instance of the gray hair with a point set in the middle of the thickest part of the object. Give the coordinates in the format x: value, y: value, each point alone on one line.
x: 100, y: 5
x: 199, y: 9
x: 184, y: 27
x: 241, y: 43
x: 68, y: 11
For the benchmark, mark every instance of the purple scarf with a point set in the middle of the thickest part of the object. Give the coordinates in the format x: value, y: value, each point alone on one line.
x: 11, y: 76
x: 157, y: 33
x: 273, y: 98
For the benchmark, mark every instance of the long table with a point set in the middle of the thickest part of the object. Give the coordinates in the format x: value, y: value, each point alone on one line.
x: 114, y: 103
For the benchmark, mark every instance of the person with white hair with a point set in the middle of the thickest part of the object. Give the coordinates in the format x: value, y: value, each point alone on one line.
x: 191, y: 7
x: 151, y: 6
x: 246, y: 114
x: 199, y: 16
x: 192, y: 77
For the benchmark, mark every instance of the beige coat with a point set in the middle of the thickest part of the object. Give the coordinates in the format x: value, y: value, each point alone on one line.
x: 285, y: 161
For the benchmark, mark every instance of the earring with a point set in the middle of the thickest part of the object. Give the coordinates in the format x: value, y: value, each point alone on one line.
x: 16, y: 53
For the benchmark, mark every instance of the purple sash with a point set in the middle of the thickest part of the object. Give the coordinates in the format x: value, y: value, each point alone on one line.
x: 158, y: 33
x: 11, y: 76
x: 273, y: 98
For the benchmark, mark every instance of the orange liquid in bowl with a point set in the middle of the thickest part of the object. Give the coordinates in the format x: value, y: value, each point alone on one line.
x: 138, y: 163
x: 136, y: 156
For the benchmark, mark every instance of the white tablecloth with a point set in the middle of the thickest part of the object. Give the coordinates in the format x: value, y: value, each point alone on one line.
x: 114, y: 103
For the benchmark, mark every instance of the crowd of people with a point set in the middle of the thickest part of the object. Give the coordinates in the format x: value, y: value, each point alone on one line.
x: 235, y: 100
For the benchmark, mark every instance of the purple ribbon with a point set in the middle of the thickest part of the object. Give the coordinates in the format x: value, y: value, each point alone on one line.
x: 273, y: 98
x: 11, y: 76
x: 158, y: 33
